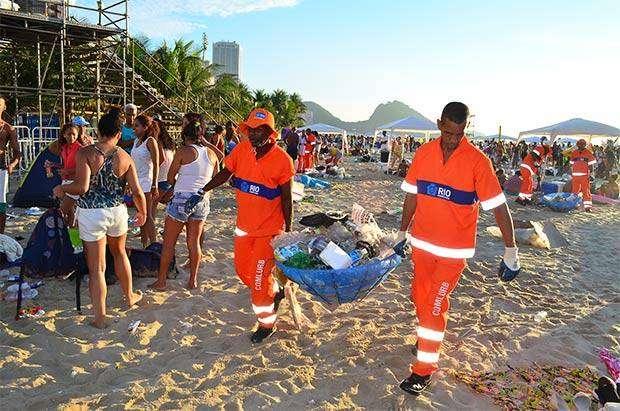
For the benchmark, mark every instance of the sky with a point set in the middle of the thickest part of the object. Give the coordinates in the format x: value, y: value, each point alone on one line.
x: 522, y: 64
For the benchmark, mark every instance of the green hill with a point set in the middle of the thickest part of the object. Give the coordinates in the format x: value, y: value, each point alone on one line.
x: 384, y: 113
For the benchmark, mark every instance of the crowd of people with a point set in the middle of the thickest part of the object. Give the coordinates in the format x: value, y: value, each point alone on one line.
x: 135, y: 155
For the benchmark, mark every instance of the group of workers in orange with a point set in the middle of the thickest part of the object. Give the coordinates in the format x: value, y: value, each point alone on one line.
x: 581, y: 160
x: 448, y: 181
x: 449, y: 178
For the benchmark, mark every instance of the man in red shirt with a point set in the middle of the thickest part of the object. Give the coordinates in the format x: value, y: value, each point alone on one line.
x: 448, y: 180
x: 582, y: 160
x: 262, y: 174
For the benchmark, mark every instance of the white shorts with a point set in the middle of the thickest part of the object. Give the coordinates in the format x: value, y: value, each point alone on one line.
x: 4, y: 185
x: 71, y: 196
x: 96, y: 223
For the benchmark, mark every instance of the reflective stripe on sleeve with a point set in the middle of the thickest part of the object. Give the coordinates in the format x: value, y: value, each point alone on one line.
x: 239, y: 232
x: 429, y: 334
x: 590, y: 163
x: 442, y: 251
x: 571, y: 162
x: 579, y: 174
x: 409, y: 188
x: 428, y: 357
x: 527, y: 167
x: 494, y: 202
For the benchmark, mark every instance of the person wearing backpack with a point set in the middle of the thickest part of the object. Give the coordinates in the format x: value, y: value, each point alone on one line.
x: 102, y: 171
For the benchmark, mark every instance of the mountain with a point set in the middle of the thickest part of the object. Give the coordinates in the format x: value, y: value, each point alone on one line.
x: 384, y: 113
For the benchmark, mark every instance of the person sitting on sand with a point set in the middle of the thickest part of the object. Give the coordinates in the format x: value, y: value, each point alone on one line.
x: 191, y: 169
x: 102, y: 171
x: 610, y: 188
x: 263, y: 175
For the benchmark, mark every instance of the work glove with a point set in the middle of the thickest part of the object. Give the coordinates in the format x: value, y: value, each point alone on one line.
x: 193, y: 201
x: 402, y: 244
x: 509, y: 268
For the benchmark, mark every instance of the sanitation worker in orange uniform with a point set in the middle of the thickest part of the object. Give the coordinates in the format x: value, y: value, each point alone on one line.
x: 449, y: 179
x: 262, y: 174
x: 582, y: 160
x: 529, y: 168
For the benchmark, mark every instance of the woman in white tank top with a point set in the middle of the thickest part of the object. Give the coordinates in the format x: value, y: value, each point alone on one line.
x: 192, y: 167
x: 145, y: 155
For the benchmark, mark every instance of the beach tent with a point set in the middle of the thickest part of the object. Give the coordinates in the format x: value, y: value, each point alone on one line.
x: 407, y: 125
x: 322, y: 128
x: 496, y: 137
x: 591, y: 131
x: 410, y: 125
x: 35, y: 189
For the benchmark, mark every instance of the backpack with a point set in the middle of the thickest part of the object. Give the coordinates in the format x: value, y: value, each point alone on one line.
x: 49, y: 252
x: 144, y: 262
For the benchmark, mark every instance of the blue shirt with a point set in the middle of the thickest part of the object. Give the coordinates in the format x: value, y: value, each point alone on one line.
x: 127, y: 134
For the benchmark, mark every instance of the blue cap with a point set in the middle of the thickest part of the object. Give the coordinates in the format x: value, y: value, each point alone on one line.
x: 80, y: 121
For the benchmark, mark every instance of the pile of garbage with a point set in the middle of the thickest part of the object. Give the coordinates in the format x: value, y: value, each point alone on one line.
x: 562, y: 202
x: 334, y: 241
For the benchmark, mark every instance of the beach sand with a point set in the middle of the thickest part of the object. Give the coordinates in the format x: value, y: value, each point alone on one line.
x: 193, y: 350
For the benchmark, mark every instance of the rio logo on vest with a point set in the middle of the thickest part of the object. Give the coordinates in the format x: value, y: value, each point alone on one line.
x: 436, y: 191
x: 254, y: 189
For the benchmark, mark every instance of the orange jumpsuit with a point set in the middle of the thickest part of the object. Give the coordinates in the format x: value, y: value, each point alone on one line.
x: 259, y: 219
x: 443, y: 233
x: 529, y: 169
x: 581, y: 160
x: 308, y: 157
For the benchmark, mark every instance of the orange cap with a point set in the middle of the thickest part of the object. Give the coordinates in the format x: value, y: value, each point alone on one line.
x: 259, y: 117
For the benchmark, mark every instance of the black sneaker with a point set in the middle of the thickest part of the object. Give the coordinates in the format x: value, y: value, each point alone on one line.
x: 415, y: 384
x: 606, y: 391
x: 261, y: 333
x: 277, y: 299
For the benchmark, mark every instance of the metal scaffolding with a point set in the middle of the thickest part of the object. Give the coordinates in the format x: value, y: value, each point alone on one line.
x: 83, y: 53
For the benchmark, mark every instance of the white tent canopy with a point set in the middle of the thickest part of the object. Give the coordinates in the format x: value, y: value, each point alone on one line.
x: 590, y: 131
x: 323, y: 128
x: 413, y: 124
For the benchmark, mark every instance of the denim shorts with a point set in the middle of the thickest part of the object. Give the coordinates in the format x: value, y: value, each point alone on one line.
x: 176, y: 208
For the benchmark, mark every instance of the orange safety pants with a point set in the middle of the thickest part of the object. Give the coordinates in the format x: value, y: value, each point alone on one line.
x: 527, y: 184
x: 254, y: 262
x: 581, y: 184
x: 433, y: 280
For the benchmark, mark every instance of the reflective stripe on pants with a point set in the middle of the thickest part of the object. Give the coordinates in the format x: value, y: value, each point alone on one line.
x: 254, y: 262
x: 581, y: 184
x: 433, y: 280
x: 527, y: 183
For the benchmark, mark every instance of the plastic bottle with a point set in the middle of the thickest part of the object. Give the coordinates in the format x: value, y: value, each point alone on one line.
x: 317, y: 244
x: 358, y: 255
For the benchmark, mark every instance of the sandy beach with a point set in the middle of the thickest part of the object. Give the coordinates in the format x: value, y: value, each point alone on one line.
x: 192, y: 349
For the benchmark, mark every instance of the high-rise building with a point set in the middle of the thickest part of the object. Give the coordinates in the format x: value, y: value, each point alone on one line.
x: 227, y: 58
